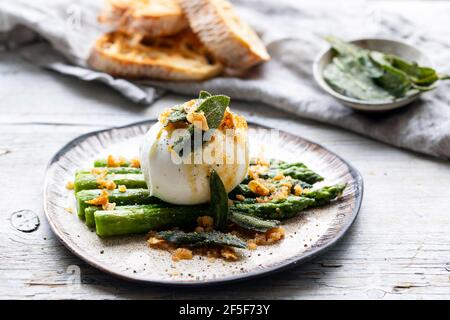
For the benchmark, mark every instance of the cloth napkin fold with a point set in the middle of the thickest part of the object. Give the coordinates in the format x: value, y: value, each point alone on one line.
x: 58, y: 34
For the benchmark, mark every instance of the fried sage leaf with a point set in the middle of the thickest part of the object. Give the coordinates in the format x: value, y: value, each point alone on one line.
x: 197, y: 239
x: 204, y: 94
x: 213, y: 108
x: 252, y: 223
x: 219, y: 201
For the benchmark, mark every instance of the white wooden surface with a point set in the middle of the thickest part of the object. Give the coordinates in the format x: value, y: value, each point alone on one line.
x: 399, y: 247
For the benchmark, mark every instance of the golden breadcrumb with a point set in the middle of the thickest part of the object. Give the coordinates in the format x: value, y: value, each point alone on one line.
x: 257, y: 187
x: 205, y: 221
x: 287, y: 184
x: 229, y: 253
x: 109, y: 206
x: 122, y: 188
x: 182, y: 254
x: 69, y: 209
x: 111, y: 161
x: 262, y: 199
x: 279, y: 176
x: 275, y: 234
x: 271, y: 236
x: 255, y: 170
x: 155, y: 242
x: 190, y: 106
x: 282, y: 193
x: 164, y: 115
x: 198, y: 119
x: 251, y: 244
x: 262, y: 162
x: 106, y: 184
x: 99, y: 171
x: 102, y: 199
x: 135, y: 163
x: 298, y: 190
x: 70, y: 185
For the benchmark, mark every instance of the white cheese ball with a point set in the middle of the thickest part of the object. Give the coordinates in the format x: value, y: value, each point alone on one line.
x: 175, y: 181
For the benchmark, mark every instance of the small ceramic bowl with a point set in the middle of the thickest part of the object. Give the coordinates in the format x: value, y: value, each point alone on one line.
x: 400, y: 49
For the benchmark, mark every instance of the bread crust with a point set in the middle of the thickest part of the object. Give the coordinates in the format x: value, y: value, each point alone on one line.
x: 179, y: 57
x: 228, y: 38
x: 149, y: 18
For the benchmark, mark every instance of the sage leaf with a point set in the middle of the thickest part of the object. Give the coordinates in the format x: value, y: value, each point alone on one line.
x: 347, y: 79
x: 197, y: 239
x: 219, y: 201
x: 213, y: 108
x: 371, y: 75
x: 204, y: 94
x: 252, y: 223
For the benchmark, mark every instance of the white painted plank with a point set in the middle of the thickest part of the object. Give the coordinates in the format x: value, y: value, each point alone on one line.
x: 399, y: 248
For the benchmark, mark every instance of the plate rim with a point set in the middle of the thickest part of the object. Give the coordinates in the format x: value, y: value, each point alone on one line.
x: 285, y: 265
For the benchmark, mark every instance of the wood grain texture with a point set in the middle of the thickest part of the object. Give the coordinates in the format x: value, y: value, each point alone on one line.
x: 399, y: 247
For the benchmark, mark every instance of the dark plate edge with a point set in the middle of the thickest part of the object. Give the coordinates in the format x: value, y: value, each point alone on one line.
x: 236, y: 278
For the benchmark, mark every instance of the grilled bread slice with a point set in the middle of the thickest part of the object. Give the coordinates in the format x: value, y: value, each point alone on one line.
x: 149, y: 18
x: 229, y: 39
x: 179, y: 57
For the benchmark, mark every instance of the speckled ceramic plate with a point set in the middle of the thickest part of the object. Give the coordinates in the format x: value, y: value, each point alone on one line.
x: 307, y: 235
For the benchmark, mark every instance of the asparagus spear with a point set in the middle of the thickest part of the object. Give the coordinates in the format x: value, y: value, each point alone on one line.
x: 104, y: 163
x: 143, y: 218
x: 89, y: 181
x: 283, y: 209
x: 253, y: 223
x: 324, y: 195
x: 89, y: 215
x: 296, y: 170
x: 196, y: 239
x: 111, y: 170
x: 129, y: 197
x: 243, y: 189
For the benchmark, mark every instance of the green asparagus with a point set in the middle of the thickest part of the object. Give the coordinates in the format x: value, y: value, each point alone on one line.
x: 244, y: 190
x: 129, y: 197
x: 104, y: 163
x: 282, y: 209
x: 295, y: 170
x: 89, y: 181
x: 324, y: 195
x: 143, y: 218
x: 89, y: 215
x: 196, y: 239
x: 111, y: 170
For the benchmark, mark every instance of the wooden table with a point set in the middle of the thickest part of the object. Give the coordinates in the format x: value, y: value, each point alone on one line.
x: 399, y: 247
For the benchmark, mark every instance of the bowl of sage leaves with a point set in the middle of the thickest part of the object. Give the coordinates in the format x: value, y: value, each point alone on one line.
x: 374, y: 74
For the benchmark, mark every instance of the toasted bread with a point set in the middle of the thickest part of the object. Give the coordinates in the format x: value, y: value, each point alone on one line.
x: 229, y: 39
x: 149, y: 18
x: 179, y: 57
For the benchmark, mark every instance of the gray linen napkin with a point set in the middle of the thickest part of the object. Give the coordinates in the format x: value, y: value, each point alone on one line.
x: 293, y: 32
